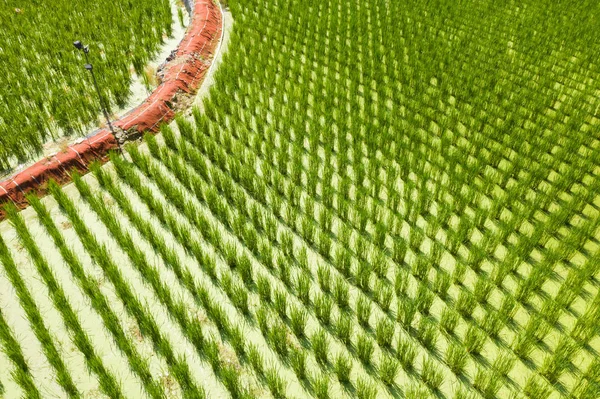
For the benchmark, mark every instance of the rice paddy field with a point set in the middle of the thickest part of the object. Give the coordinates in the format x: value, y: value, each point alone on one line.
x: 376, y: 199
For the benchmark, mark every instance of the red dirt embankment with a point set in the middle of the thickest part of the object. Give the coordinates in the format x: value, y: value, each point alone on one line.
x: 181, y: 78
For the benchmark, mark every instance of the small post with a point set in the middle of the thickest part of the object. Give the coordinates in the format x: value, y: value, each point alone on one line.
x: 78, y: 45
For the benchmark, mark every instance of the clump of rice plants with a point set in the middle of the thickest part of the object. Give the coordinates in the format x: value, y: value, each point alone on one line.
x: 342, y: 367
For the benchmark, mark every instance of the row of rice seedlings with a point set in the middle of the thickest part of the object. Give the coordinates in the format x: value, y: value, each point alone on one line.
x: 190, y: 327
x: 238, y: 296
x: 37, y: 323
x: 20, y: 372
x: 108, y: 384
x: 146, y: 323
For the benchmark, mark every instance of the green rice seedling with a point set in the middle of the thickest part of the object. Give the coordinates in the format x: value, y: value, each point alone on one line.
x: 441, y: 283
x: 303, y: 260
x: 380, y: 233
x: 239, y: 297
x: 554, y: 365
x: 303, y: 288
x: 463, y: 393
x: 364, y: 348
x: 284, y: 271
x: 427, y: 333
x: 323, y: 306
x: 380, y: 265
x: 255, y: 358
x: 449, y: 320
x: 363, y: 276
x: 246, y: 269
x: 384, y: 332
x: 424, y: 298
x: 365, y: 389
x: 536, y: 388
x: 551, y: 311
x: 406, y: 311
x: 503, y: 363
x: 324, y: 278
x: 287, y: 244
x: 416, y: 238
x: 363, y: 310
x: 401, y: 282
x: 275, y: 382
x: 456, y: 358
x: 212, y: 354
x: 341, y: 293
x: 298, y: 318
x: 523, y: 344
x: 585, y: 389
x: 230, y: 377
x: 343, y: 262
x: 482, y: 290
x: 263, y: 286
x: 278, y: 337
x: 343, y: 328
x: 383, y: 295
x: 399, y: 251
x: 320, y: 385
x: 420, y: 268
x: 465, y: 304
x: 416, y: 391
x: 324, y: 245
x: 475, y: 258
x: 430, y: 374
x: 298, y: 362
x: 320, y: 346
x: 342, y: 366
x: 237, y: 338
x: 500, y: 272
x: 487, y: 383
x: 406, y: 352
x: 388, y: 369
x: 263, y: 320
x: 280, y: 303
x: 474, y: 340
x: 508, y: 308
x: 492, y: 324
x: 458, y: 274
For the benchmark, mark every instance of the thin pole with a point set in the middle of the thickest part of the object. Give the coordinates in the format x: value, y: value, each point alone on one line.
x: 102, y: 104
